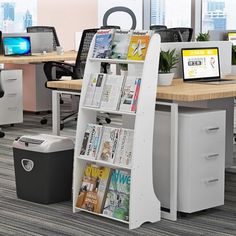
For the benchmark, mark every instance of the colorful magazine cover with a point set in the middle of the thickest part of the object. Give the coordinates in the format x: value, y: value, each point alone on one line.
x: 138, y: 45
x: 93, y: 188
x: 118, y: 194
x: 103, y: 42
x: 120, y: 44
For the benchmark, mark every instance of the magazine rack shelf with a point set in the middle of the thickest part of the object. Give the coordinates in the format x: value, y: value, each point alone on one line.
x: 144, y: 205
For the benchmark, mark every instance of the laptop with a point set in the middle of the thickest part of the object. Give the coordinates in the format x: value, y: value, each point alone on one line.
x: 202, y: 65
x: 232, y: 37
x: 16, y: 46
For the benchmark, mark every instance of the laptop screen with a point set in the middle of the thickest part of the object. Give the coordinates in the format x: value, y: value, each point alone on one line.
x: 200, y: 63
x: 15, y: 46
x: 232, y: 37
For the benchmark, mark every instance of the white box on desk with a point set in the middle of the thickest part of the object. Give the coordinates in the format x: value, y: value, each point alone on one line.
x: 201, y: 158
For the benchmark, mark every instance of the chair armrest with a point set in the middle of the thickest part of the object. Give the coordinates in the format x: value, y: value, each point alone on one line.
x: 66, y: 68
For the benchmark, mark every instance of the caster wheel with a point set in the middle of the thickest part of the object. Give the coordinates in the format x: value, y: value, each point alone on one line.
x: 12, y: 125
x: 2, y: 134
x: 44, y: 121
x: 61, y: 126
x: 49, y: 112
x: 108, y: 120
x: 61, y: 101
x: 37, y: 113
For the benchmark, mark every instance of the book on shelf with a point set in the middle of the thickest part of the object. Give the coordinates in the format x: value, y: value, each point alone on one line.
x: 93, y: 188
x: 120, y: 44
x: 118, y: 195
x: 91, y: 141
x: 103, y: 43
x: 112, y: 92
x: 125, y: 148
x: 130, y: 94
x: 138, y: 45
x: 94, y: 90
x: 108, y: 144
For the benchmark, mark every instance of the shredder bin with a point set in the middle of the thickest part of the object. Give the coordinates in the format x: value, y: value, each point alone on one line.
x: 43, y: 168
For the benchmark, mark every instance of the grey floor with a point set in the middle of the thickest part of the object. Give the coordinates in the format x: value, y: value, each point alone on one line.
x: 19, y: 217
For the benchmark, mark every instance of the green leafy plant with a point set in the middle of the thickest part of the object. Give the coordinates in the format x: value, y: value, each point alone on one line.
x: 168, y: 60
x: 203, y: 37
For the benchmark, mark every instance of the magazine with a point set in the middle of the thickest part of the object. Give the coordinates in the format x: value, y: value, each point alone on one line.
x: 125, y: 148
x: 112, y: 92
x: 95, y: 90
x: 120, y: 44
x: 93, y: 188
x: 138, y: 45
x: 117, y: 198
x: 108, y: 145
x: 91, y: 141
x: 103, y: 42
x: 130, y: 93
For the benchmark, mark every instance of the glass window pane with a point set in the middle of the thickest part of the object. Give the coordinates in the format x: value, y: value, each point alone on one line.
x: 171, y: 13
x: 218, y: 14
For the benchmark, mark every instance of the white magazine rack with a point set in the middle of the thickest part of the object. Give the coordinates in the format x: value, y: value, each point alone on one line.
x: 144, y: 205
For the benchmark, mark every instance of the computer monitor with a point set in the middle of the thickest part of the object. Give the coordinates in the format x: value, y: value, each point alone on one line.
x: 200, y: 63
x: 232, y: 37
x: 16, y: 46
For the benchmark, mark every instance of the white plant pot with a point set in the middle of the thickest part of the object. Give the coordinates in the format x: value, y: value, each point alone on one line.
x: 165, y: 79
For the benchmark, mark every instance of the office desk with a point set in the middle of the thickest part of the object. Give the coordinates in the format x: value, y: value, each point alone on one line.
x: 51, y: 56
x: 178, y: 94
x: 36, y: 97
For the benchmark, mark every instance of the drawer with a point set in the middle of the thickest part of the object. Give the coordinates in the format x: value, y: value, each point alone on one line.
x: 11, y: 81
x: 12, y: 114
x: 201, y: 193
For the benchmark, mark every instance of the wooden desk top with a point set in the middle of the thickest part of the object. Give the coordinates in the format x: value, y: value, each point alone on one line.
x: 51, y: 56
x: 178, y: 91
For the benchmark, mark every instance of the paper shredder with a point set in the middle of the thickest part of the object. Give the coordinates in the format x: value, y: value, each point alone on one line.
x: 43, y: 168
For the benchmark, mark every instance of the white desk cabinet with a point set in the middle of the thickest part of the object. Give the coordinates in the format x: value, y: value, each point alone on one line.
x: 201, y: 159
x: 11, y: 104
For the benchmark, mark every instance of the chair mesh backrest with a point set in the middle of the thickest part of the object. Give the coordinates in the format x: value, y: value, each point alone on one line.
x: 157, y: 27
x: 86, y: 39
x: 37, y: 29
x: 185, y: 32
x: 169, y: 35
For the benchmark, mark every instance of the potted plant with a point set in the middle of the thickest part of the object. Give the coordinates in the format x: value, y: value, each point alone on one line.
x: 203, y: 37
x: 168, y: 60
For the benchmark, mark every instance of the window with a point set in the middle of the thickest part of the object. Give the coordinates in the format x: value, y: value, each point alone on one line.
x: 16, y: 15
x: 218, y: 14
x: 171, y: 13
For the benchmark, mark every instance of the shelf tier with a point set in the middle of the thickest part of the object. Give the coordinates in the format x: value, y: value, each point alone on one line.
x: 104, y: 163
x: 109, y: 111
x: 106, y: 216
x: 116, y: 61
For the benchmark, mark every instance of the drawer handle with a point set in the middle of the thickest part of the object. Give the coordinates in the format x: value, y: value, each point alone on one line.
x: 211, y: 181
x: 12, y: 108
x: 212, y: 129
x: 212, y: 156
x: 11, y: 94
x: 11, y: 79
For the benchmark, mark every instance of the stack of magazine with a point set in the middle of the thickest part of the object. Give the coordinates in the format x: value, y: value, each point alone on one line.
x: 105, y: 190
x: 121, y: 44
x: 113, y: 92
x: 110, y: 144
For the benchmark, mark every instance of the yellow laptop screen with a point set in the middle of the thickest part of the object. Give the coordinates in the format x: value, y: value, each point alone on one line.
x: 200, y: 63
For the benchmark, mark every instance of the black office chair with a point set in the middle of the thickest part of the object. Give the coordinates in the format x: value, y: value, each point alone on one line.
x: 38, y: 29
x: 75, y: 71
x: 2, y: 134
x: 157, y: 27
x: 186, y: 33
x: 169, y: 35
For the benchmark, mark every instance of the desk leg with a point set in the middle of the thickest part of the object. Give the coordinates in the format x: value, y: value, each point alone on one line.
x: 172, y: 215
x: 55, y: 112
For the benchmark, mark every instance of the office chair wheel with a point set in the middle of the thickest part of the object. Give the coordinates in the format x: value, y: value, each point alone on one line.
x: 12, y: 125
x: 43, y: 121
x: 2, y: 134
x: 61, y: 126
x: 108, y: 120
